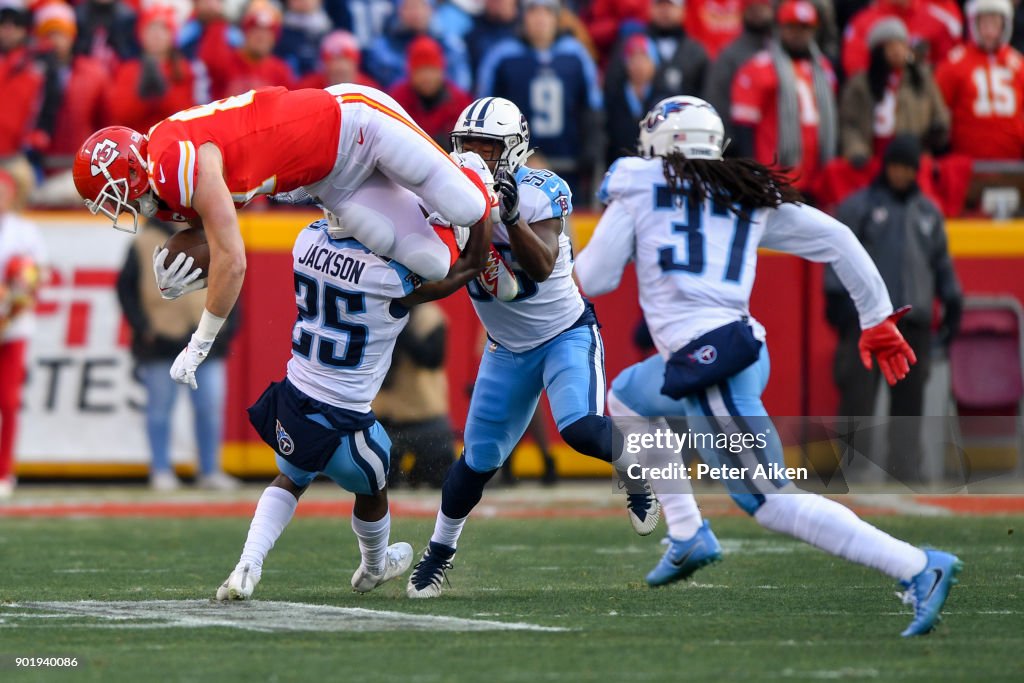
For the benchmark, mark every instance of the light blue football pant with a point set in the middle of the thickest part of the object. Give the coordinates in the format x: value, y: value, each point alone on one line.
x: 508, y: 386
x: 730, y: 407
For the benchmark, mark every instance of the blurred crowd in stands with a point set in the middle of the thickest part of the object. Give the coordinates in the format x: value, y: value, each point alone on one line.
x: 821, y: 85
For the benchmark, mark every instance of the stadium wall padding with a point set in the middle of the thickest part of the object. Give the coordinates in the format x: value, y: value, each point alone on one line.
x: 787, y: 299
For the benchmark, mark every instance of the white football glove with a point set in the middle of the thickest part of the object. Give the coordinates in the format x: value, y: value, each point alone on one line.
x: 183, y: 370
x: 475, y: 163
x: 176, y: 280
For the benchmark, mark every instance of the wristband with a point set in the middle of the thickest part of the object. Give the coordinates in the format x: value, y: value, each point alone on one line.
x: 209, y: 326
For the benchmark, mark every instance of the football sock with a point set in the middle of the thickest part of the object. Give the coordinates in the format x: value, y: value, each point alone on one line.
x: 463, y: 488
x: 681, y: 515
x: 273, y: 512
x: 447, y: 530
x: 836, y: 529
x: 373, y: 541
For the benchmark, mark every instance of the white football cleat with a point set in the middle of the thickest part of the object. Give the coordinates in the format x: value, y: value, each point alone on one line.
x: 497, y: 279
x: 644, y: 510
x: 396, y: 561
x: 239, y: 585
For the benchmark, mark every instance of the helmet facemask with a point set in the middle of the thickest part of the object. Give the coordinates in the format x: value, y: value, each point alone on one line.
x: 503, y: 160
x: 112, y: 201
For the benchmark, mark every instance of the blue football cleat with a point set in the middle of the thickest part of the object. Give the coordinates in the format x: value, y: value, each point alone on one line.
x: 683, y: 558
x: 928, y: 591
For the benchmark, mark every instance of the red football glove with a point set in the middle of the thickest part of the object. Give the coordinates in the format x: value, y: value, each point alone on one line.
x: 893, y: 352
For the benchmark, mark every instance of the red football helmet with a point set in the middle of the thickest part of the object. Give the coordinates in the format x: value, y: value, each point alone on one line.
x: 110, y: 175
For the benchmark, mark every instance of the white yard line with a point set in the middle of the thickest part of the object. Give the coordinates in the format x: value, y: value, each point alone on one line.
x: 259, y: 615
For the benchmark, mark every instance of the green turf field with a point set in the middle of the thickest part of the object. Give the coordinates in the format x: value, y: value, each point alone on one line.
x: 774, y: 610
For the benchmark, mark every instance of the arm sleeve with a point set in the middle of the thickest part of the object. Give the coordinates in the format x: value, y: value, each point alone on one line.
x: 804, y: 231
x: 599, y: 266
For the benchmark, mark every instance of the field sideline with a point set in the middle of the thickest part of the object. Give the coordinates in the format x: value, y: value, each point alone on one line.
x: 546, y: 586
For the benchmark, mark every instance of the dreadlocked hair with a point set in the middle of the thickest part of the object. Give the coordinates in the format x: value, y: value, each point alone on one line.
x: 743, y: 184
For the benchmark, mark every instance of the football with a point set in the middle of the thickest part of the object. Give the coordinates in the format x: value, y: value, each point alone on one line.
x: 191, y: 241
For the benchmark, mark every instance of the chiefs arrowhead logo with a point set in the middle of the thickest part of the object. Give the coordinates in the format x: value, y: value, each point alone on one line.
x: 103, y: 154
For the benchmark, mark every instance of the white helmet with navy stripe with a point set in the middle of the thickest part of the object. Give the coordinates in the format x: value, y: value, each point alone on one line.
x: 687, y: 125
x: 495, y: 118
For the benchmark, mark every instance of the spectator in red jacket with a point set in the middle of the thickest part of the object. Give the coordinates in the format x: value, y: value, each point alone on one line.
x: 73, y: 105
x: 161, y: 82
x: 253, y: 65
x: 783, y: 100
x: 982, y: 82
x: 432, y: 100
x: 340, y: 62
x: 935, y: 26
x: 21, y: 83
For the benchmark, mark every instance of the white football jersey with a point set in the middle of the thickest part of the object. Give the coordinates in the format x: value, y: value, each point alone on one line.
x: 347, y: 325
x: 695, y: 265
x: 541, y: 310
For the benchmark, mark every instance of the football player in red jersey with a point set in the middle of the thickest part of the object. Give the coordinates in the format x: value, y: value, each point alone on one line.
x: 983, y: 85
x: 203, y: 163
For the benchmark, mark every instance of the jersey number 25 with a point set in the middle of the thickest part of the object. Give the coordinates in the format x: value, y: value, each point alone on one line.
x: 309, y: 302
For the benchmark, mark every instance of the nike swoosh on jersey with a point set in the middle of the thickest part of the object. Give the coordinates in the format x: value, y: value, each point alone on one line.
x: 162, y: 178
x: 360, y: 136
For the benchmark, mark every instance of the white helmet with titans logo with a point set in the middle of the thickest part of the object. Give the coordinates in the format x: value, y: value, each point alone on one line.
x: 495, y: 118
x: 687, y: 125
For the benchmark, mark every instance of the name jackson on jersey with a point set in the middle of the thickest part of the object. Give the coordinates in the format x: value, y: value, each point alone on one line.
x: 332, y: 262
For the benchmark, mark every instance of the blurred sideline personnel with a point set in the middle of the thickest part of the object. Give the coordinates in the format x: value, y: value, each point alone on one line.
x: 545, y: 338
x: 202, y: 164
x: 22, y: 256
x: 693, y: 222
x: 413, y: 402
x: 903, y: 232
x: 352, y: 305
x: 983, y: 85
x: 159, y: 329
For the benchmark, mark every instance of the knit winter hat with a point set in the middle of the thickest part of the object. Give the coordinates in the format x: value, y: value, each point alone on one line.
x: 884, y: 30
x: 904, y: 149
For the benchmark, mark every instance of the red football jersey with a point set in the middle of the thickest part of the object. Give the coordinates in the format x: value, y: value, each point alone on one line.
x: 272, y: 140
x: 755, y: 103
x: 985, y: 95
